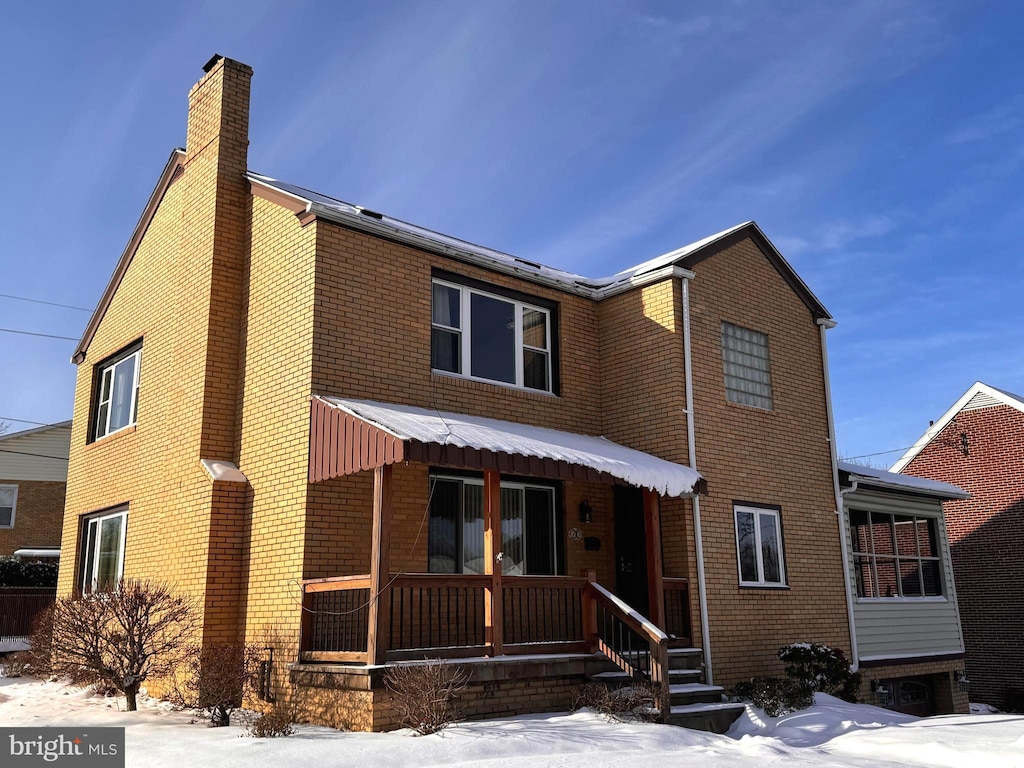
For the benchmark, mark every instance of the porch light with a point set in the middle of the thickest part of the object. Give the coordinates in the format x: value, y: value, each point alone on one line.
x: 586, y: 513
x: 961, y: 680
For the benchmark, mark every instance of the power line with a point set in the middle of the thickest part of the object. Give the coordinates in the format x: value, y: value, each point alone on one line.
x: 40, y: 301
x: 25, y: 421
x: 880, y: 453
x: 44, y: 335
x: 40, y: 455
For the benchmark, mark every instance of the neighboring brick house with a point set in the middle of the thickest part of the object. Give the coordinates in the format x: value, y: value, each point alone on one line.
x: 33, y: 478
x: 357, y: 441
x: 978, y: 444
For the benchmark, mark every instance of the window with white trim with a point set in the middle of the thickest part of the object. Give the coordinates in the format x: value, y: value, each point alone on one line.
x: 759, y: 547
x: 746, y: 365
x: 101, y: 563
x: 489, y: 337
x: 896, y: 555
x: 117, y: 393
x: 455, y: 539
x: 8, y: 505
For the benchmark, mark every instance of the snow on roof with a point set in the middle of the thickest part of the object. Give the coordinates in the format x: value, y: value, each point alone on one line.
x: 882, y: 478
x: 996, y: 397
x: 407, y: 422
x: 338, y: 210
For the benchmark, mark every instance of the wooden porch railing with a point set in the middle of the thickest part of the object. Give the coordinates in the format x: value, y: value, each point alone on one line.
x: 443, y: 615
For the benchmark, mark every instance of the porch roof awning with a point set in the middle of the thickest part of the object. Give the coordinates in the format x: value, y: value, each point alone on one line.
x: 349, y: 436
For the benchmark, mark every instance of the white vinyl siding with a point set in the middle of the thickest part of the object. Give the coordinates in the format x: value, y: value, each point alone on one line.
x: 746, y: 366
x: 892, y: 628
x: 37, y: 455
x: 490, y: 338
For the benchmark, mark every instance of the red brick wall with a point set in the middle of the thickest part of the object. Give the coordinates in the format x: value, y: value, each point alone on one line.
x: 986, y: 534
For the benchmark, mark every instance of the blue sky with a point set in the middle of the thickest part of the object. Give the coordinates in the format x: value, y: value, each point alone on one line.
x: 880, y: 145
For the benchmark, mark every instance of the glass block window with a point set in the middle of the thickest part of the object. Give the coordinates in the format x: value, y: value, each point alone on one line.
x: 746, y: 364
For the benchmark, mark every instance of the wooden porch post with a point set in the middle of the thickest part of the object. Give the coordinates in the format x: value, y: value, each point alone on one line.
x: 589, y: 607
x: 380, y: 568
x: 493, y: 611
x: 655, y: 572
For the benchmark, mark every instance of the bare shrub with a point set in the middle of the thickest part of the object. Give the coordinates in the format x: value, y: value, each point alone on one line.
x: 271, y: 724
x: 15, y: 665
x: 635, y: 700
x: 216, y: 678
x: 124, y: 637
x: 425, y: 695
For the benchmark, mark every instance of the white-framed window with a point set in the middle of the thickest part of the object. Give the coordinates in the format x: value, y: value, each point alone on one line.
x: 492, y: 338
x: 117, y: 393
x: 8, y: 505
x: 102, y: 553
x: 529, y: 543
x: 759, y: 547
x: 896, y: 556
x: 747, y: 367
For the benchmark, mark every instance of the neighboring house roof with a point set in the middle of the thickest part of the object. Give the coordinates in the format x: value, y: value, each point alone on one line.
x: 424, y: 427
x: 880, y: 478
x: 978, y: 396
x: 40, y: 453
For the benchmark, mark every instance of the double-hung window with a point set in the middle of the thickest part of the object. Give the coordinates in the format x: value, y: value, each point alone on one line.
x: 759, y: 547
x: 8, y: 504
x: 490, y: 337
x: 895, y: 555
x: 102, y: 557
x: 529, y: 543
x: 117, y: 392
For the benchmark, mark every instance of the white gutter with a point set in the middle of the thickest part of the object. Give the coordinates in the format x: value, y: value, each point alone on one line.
x: 702, y: 592
x: 824, y: 324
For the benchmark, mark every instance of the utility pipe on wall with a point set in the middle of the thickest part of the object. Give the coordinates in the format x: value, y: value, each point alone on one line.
x: 705, y: 632
x: 823, y: 325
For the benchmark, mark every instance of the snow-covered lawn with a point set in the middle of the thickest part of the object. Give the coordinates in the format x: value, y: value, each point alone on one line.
x: 832, y: 733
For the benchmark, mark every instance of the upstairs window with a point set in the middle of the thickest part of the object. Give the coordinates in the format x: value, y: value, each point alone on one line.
x: 529, y: 544
x: 489, y: 337
x: 747, y: 371
x: 895, y: 555
x: 117, y: 392
x: 8, y: 503
x: 102, y: 556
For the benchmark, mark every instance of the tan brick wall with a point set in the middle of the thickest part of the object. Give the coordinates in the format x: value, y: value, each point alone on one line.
x: 38, y: 516
x: 778, y: 457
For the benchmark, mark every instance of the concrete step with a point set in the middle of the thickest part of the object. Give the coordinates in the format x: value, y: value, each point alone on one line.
x: 695, y: 693
x: 685, y: 658
x: 715, y: 717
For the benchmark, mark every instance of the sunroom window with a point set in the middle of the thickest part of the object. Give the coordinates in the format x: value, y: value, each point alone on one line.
x: 456, y: 533
x: 489, y: 337
x: 895, y: 555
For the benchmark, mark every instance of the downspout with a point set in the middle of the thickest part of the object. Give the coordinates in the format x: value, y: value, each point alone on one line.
x: 702, y: 594
x: 824, y: 324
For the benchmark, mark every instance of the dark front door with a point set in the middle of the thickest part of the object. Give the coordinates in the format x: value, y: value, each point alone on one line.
x: 630, y: 550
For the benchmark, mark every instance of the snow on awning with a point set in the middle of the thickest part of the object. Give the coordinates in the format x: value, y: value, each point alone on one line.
x: 880, y: 478
x: 40, y: 552
x: 348, y: 436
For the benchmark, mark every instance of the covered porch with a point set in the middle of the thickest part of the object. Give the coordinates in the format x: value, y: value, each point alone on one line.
x: 491, y: 604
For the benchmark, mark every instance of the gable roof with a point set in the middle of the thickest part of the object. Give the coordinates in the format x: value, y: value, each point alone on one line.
x: 35, y: 430
x: 978, y: 396
x: 879, y: 478
x: 306, y: 202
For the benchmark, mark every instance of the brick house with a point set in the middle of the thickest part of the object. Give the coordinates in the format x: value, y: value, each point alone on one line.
x: 33, y: 478
x: 357, y: 441
x: 979, y: 445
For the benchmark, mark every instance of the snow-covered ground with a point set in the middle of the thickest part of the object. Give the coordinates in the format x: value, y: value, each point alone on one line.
x: 832, y: 733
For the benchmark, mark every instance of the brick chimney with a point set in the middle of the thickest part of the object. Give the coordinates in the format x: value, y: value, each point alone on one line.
x: 214, y: 241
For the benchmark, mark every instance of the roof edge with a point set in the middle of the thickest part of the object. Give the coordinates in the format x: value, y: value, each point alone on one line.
x: 933, y: 431
x: 36, y: 430
x: 175, y: 161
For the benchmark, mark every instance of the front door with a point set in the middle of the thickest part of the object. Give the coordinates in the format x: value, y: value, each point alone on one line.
x: 630, y: 549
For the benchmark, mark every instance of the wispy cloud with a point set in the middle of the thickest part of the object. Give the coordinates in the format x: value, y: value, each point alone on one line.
x: 995, y: 122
